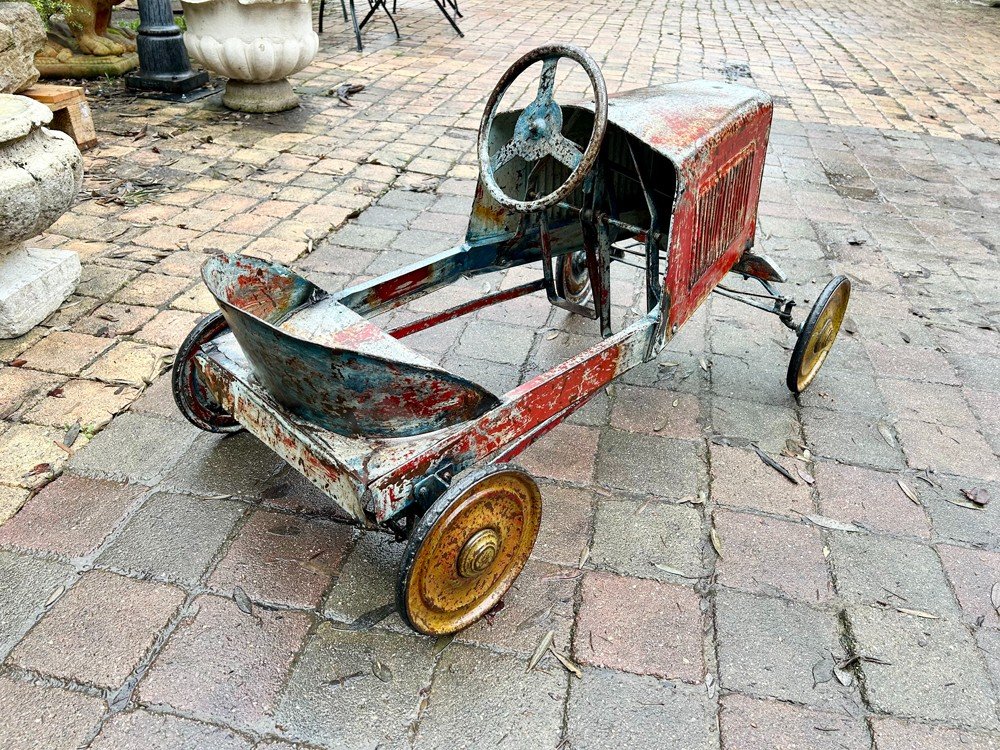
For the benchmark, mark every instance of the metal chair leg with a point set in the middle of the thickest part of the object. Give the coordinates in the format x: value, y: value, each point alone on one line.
x: 343, y: 8
x: 357, y: 28
x: 391, y: 19
x: 444, y: 11
x: 322, y: 7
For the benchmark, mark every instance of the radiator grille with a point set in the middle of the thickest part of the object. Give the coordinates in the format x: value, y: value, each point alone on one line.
x: 721, y: 213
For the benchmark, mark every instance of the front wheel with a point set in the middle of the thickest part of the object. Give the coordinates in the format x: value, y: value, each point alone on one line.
x: 468, y: 548
x: 818, y: 333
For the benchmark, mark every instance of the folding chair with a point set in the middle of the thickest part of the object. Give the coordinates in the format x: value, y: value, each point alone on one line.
x: 374, y: 5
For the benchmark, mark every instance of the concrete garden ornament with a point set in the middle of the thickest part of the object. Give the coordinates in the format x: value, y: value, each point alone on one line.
x: 40, y: 173
x: 257, y: 44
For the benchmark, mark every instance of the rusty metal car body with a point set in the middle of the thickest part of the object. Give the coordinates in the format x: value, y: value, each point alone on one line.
x: 671, y: 187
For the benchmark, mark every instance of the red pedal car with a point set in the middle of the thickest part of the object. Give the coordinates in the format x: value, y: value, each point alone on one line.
x: 665, y: 178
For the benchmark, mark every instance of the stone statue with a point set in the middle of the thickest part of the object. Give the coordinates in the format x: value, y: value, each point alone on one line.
x: 86, y: 45
x: 22, y: 34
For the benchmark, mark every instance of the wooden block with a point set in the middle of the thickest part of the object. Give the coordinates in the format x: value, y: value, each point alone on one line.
x: 48, y: 93
x: 70, y: 111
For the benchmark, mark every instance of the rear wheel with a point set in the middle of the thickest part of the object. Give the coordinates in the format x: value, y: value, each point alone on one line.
x: 193, y: 399
x: 574, y: 277
x: 818, y: 334
x: 468, y: 548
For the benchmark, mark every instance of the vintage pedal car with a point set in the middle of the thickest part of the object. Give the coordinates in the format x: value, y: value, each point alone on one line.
x: 667, y: 179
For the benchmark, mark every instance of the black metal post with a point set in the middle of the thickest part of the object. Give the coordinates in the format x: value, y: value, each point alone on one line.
x: 164, y: 69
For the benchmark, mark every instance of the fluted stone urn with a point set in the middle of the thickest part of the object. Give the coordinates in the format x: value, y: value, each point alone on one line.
x: 256, y: 44
x: 40, y: 173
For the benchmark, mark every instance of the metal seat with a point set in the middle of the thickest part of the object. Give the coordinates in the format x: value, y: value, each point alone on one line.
x: 329, y: 365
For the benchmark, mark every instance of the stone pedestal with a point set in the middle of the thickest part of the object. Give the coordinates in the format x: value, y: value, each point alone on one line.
x: 33, y: 283
x: 256, y: 44
x: 40, y: 174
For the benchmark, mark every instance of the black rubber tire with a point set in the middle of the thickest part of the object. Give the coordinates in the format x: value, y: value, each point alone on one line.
x: 194, y: 403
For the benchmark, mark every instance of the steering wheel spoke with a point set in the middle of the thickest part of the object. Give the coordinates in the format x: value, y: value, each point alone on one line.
x: 505, y: 154
x: 547, y: 83
x: 563, y: 150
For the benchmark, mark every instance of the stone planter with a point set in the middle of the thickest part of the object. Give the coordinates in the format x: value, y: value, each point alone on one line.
x: 257, y: 44
x: 40, y: 173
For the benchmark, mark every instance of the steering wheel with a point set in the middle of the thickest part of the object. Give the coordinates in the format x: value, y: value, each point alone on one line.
x: 538, y: 131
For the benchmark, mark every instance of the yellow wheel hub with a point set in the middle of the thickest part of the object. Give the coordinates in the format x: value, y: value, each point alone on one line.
x: 468, y: 549
x: 818, y: 334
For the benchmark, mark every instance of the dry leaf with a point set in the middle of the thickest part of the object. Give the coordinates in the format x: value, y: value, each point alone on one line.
x: 552, y: 335
x: 243, y: 603
x: 54, y: 595
x: 673, y: 571
x: 381, y: 671
x: 668, y: 569
x: 978, y: 495
x: 805, y: 476
x: 995, y: 597
x: 703, y: 364
x: 844, y: 677
x: 775, y: 465
x: 366, y: 621
x: 72, y: 434
x: 443, y: 642
x: 543, y: 646
x: 908, y: 491
x: 964, y: 504
x: 645, y: 504
x: 830, y: 523
x: 568, y: 665
x: 584, y: 557
x: 710, y: 685
x: 38, y: 469
x: 887, y: 435
x: 716, y: 542
x: 918, y: 613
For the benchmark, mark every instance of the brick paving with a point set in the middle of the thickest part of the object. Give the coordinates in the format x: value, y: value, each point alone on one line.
x: 833, y: 613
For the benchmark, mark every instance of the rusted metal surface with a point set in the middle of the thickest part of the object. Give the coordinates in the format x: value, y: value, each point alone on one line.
x: 334, y: 464
x: 377, y: 475
x: 703, y: 128
x: 668, y: 183
x: 757, y: 266
x: 464, y: 309
x: 552, y: 395
x: 330, y: 366
x: 679, y: 171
